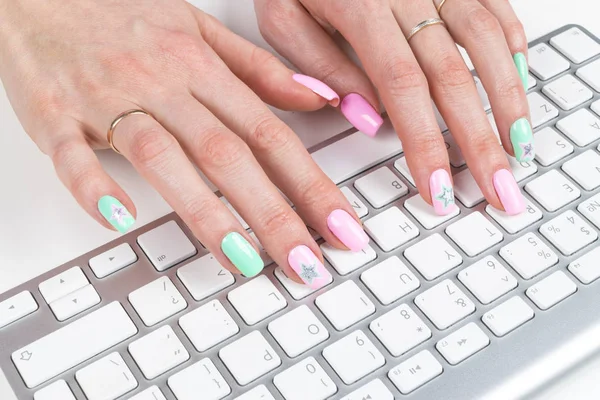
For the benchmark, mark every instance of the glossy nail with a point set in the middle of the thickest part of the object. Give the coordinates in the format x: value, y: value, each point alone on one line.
x: 345, y: 228
x: 242, y: 255
x: 521, y: 137
x: 521, y: 64
x: 319, y: 88
x: 115, y: 213
x: 509, y: 193
x: 442, y: 193
x: 308, y: 267
x: 361, y: 114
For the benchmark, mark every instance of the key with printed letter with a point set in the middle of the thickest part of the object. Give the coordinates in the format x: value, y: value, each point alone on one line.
x: 590, y: 209
x: 433, y: 256
x: 256, y: 300
x: 584, y: 169
x: 202, y: 377
x: 550, y: 146
x: 298, y: 331
x: 568, y: 232
x: 542, y: 110
x: 568, y: 92
x: 391, y: 229
x: 516, y: 223
x: 582, y: 127
x: 204, y: 277
x: 107, y: 378
x: 345, y: 261
x: 158, y: 352
x: 305, y: 381
x: 552, y: 190
x: 208, y: 325
x: 152, y: 393
x: 425, y: 214
x: 474, y: 234
x: 381, y: 187
x: 58, y: 390
x: 345, y: 305
x: 528, y: 255
x: 400, y: 330
x: 487, y: 279
x: 444, y: 304
x: 390, y: 280
x: 360, y: 208
x: 260, y: 392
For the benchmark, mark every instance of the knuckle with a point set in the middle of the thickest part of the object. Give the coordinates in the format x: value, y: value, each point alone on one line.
x: 219, y: 150
x: 269, y: 135
x: 150, y: 146
x: 183, y: 48
x: 515, y: 34
x: 511, y: 90
x: 481, y: 21
x: 428, y: 144
x: 452, y: 73
x: 402, y: 77
x: 198, y: 212
x: 483, y: 146
x: 314, y: 192
x: 278, y: 219
x: 275, y: 18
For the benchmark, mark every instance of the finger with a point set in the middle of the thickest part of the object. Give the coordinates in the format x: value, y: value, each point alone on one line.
x: 263, y: 72
x: 295, y: 34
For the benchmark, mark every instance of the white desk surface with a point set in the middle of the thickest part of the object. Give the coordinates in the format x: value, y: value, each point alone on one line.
x: 43, y: 227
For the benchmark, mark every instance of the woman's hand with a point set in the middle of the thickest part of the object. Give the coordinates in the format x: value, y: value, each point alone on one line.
x: 70, y: 67
x: 406, y: 73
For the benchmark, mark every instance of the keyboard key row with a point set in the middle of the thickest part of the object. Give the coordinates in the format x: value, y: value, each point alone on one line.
x: 528, y: 255
x: 568, y: 232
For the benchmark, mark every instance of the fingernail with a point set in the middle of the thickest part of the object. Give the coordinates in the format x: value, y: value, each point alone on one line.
x: 521, y: 137
x: 345, y: 228
x: 442, y: 193
x: 319, y: 88
x: 521, y: 64
x: 508, y: 191
x: 308, y: 267
x: 242, y: 255
x: 361, y: 114
x: 115, y: 213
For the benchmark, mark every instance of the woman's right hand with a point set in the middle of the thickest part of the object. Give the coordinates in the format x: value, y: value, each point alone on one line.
x: 70, y: 67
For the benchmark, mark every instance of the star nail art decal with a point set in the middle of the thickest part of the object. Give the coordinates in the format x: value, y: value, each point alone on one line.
x: 119, y: 213
x: 527, y: 149
x: 446, y: 196
x: 309, y: 273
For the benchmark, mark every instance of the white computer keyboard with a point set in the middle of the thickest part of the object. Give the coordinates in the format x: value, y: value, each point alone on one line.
x: 437, y: 307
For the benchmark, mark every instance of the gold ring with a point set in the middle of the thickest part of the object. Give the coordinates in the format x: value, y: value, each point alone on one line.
x: 113, y: 126
x: 423, y: 25
x: 439, y: 7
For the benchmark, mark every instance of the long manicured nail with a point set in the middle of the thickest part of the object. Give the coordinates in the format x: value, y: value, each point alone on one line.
x: 115, y: 213
x: 361, y: 114
x: 242, y: 255
x: 508, y: 191
x: 521, y: 64
x: 521, y: 137
x: 442, y: 193
x: 319, y: 88
x: 308, y: 267
x: 345, y: 228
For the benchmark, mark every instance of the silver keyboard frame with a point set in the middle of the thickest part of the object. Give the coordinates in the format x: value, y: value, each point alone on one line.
x: 503, y: 359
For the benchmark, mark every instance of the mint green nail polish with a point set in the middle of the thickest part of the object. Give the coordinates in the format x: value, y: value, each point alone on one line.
x: 115, y: 213
x: 521, y: 63
x: 242, y: 255
x: 521, y: 137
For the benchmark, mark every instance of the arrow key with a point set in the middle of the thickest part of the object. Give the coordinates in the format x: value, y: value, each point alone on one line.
x: 113, y: 260
x: 462, y: 343
x: 65, y: 283
x: 75, y: 303
x: 16, y: 308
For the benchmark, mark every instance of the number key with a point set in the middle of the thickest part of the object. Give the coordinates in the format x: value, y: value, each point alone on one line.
x: 400, y: 330
x: 568, y: 232
x: 444, y: 304
x: 305, y: 381
x: 528, y: 255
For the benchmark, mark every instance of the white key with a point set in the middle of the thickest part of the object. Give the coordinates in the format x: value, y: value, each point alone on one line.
x: 590, y: 209
x: 201, y: 377
x: 75, y: 303
x: 166, y: 245
x: 72, y: 344
x: 63, y: 284
x: 296, y: 290
x: 507, y: 316
x: 485, y: 101
x: 158, y: 352
x: 551, y: 290
x: 466, y: 189
x: 234, y: 212
x: 487, y: 279
x: 106, y: 379
x: 456, y: 157
x: 381, y: 187
x: 425, y: 214
x: 568, y: 92
x: 58, y: 390
x: 415, y: 372
x: 521, y: 170
x: 444, y: 304
x: 345, y: 261
x: 595, y: 106
x: 249, y: 358
x: 584, y: 169
x: 359, y: 207
x: 152, y: 393
x: 256, y: 300
x: 576, y: 45
x: 545, y: 62
x: 463, y: 343
x: 568, y: 232
x: 208, y: 325
x: 113, y: 260
x: 258, y: 393
x: 267, y: 260
x: 390, y: 280
x: 16, y: 307
x: 582, y: 127
x: 402, y: 167
x: 375, y: 390
x: 391, y: 229
x: 353, y: 357
x: 528, y: 255
x: 400, y: 330
x: 590, y: 74
x: 516, y: 223
x: 157, y: 301
x: 531, y: 82
x: 474, y: 234
x: 298, y: 331
x: 550, y: 147
x: 587, y: 268
x: 541, y: 109
x: 204, y: 277
x: 433, y: 256
x: 305, y: 381
x: 552, y: 190
x: 345, y: 305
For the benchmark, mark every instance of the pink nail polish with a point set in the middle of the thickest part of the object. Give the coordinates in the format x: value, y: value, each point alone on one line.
x: 509, y: 193
x: 319, y: 88
x: 442, y: 193
x: 345, y: 228
x: 308, y: 267
x: 361, y: 114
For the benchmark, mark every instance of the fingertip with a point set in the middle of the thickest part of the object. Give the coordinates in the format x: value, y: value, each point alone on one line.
x: 319, y: 88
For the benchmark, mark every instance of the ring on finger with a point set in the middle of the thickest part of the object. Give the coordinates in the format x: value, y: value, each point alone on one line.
x: 439, y: 7
x: 111, y: 130
x: 422, y: 25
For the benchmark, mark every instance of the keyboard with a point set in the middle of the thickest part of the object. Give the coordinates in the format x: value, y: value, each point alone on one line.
x: 437, y: 307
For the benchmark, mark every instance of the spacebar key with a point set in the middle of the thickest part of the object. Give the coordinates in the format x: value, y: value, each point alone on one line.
x: 73, y: 344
